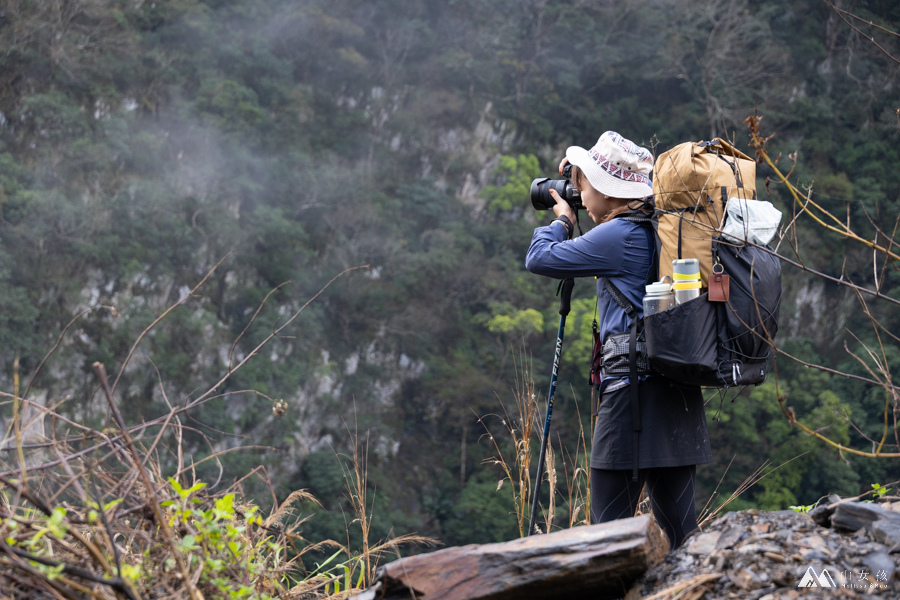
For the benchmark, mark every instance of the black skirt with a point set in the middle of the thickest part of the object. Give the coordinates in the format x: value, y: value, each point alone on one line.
x: 673, y: 427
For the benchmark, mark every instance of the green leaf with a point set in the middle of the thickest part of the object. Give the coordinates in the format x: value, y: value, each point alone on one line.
x: 54, y: 572
x: 225, y: 507
x: 177, y: 487
x: 880, y: 490
x: 320, y: 568
x: 131, y: 572
x: 196, y: 487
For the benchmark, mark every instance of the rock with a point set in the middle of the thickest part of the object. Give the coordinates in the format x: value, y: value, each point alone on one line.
x: 746, y: 578
x: 881, y: 523
x: 789, y: 595
x: 760, y: 528
x: 703, y: 544
x: 757, y: 548
x: 822, y: 515
x: 731, y: 536
x: 591, y: 562
x: 814, y: 542
x: 769, y: 562
x: 887, y: 531
x: 747, y: 555
x: 880, y: 563
x: 852, y: 516
x: 818, y: 555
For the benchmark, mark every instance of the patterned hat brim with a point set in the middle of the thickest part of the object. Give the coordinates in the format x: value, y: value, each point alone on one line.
x: 603, y: 181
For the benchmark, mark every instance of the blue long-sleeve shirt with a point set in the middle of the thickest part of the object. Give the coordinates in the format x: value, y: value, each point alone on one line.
x: 619, y: 250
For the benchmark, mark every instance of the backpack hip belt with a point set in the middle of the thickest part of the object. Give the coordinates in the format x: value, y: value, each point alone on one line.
x: 615, y: 355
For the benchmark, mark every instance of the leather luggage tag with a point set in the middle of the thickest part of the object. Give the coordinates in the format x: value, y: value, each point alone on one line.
x: 718, y: 287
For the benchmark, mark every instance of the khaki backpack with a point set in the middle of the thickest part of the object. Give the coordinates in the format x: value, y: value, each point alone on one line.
x: 692, y: 182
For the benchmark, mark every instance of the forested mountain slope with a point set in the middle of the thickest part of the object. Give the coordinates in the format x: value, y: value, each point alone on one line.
x: 141, y: 143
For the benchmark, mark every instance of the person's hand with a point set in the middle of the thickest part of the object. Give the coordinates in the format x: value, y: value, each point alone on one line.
x: 562, y: 164
x: 562, y: 207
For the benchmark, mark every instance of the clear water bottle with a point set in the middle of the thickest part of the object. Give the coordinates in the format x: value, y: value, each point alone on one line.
x: 659, y: 297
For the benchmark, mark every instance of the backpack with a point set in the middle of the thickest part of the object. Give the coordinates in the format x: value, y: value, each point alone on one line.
x: 720, y: 339
x: 692, y: 183
x: 721, y: 343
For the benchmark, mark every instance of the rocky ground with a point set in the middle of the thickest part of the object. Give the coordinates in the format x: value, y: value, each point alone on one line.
x: 842, y: 549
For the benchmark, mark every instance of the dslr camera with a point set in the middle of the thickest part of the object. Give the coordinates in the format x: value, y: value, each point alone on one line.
x: 540, y: 191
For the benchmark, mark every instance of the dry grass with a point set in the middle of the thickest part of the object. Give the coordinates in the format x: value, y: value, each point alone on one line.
x: 709, y: 513
x: 110, y: 524
x: 521, y: 431
x: 524, y: 432
x: 116, y: 514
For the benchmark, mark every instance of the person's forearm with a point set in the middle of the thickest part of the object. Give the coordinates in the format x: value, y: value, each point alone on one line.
x: 549, y: 256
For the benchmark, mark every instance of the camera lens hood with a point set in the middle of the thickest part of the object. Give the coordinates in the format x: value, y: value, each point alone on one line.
x: 542, y: 200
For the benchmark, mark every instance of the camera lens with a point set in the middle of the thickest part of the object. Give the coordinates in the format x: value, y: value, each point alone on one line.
x: 540, y: 194
x: 542, y: 200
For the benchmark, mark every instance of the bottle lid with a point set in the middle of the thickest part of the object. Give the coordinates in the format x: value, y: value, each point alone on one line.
x: 686, y: 285
x: 686, y: 266
x: 659, y: 287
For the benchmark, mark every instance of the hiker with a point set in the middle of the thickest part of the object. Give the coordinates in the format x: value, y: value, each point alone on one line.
x: 671, y: 439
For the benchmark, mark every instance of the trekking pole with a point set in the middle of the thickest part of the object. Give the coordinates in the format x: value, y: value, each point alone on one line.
x: 565, y: 300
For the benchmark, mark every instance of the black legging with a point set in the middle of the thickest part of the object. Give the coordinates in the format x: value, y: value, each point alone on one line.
x: 614, y: 495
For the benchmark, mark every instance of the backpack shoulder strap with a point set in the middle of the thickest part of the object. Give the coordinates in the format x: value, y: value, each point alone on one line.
x: 646, y: 221
x: 620, y: 298
x: 633, y: 381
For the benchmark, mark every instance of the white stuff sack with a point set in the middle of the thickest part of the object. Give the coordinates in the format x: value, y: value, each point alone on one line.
x: 754, y: 221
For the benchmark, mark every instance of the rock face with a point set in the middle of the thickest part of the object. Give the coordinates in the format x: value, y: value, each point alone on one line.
x: 594, y: 562
x: 754, y: 555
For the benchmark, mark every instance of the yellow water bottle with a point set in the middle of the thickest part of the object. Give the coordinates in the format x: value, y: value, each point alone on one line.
x: 686, y: 273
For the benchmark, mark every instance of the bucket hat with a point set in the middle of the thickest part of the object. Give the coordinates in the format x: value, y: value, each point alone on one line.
x: 615, y: 166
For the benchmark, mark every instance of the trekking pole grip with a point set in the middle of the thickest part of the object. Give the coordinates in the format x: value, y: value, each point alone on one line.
x: 565, y: 296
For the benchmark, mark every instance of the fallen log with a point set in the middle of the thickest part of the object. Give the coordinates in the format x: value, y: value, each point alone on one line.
x: 592, y: 562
